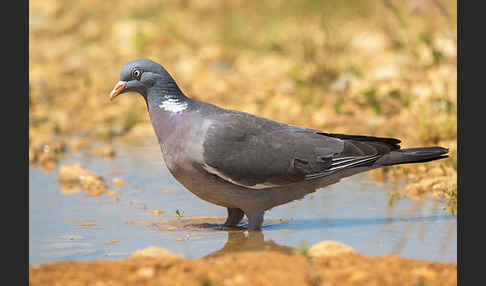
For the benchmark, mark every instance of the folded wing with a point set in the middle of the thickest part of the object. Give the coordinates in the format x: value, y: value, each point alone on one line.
x: 258, y: 153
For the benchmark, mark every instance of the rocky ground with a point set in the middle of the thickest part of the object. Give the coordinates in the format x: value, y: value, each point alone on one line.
x: 327, y: 263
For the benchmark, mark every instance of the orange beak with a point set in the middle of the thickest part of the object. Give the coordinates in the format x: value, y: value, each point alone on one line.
x: 119, y: 87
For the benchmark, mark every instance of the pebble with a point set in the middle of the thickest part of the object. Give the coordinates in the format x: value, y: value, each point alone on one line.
x: 155, y: 252
x: 119, y: 181
x: 329, y: 248
x: 157, y: 212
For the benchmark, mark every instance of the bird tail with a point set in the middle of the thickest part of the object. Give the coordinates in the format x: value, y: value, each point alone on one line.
x: 412, y: 155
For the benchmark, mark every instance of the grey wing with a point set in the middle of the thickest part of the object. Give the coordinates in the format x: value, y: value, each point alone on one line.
x: 257, y: 153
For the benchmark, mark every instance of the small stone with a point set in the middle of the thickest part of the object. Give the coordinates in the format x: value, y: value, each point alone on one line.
x: 71, y: 175
x: 155, y: 252
x: 119, y: 181
x: 157, y: 212
x: 329, y: 248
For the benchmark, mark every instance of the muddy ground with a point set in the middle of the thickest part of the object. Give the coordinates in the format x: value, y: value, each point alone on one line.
x: 249, y: 268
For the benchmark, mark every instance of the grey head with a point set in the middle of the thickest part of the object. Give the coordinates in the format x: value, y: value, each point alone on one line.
x: 146, y: 77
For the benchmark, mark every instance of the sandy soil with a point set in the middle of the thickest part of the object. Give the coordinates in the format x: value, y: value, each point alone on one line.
x: 249, y: 268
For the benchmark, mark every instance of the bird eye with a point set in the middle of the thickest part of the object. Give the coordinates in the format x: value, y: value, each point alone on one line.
x: 136, y: 74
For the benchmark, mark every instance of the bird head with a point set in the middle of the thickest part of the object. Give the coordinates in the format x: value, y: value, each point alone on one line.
x: 139, y: 76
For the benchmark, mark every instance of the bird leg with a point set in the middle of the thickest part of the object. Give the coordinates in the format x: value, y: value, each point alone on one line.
x: 255, y: 220
x: 234, y: 217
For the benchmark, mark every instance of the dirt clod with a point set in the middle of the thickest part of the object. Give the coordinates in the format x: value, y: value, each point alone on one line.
x: 329, y: 248
x: 157, y: 212
x: 154, y: 252
x: 119, y: 181
x: 71, y: 176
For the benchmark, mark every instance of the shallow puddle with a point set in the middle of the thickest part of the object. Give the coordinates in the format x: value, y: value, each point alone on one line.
x: 151, y: 208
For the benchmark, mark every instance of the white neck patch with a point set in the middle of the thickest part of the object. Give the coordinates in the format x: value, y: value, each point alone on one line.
x: 173, y: 105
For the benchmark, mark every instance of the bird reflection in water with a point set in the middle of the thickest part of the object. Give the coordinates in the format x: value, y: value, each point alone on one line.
x: 239, y: 241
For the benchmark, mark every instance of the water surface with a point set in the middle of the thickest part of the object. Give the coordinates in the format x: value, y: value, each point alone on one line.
x: 355, y: 211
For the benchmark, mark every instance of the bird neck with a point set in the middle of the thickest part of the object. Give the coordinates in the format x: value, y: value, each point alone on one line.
x: 167, y: 106
x: 167, y: 97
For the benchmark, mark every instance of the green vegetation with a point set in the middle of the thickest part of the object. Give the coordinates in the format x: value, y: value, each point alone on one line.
x: 179, y: 213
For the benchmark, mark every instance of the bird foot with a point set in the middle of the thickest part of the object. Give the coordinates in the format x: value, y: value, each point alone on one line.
x: 229, y: 227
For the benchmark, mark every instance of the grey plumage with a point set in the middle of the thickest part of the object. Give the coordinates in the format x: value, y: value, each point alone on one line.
x: 247, y: 163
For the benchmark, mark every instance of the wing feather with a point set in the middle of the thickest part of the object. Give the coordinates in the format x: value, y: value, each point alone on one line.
x: 259, y: 153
